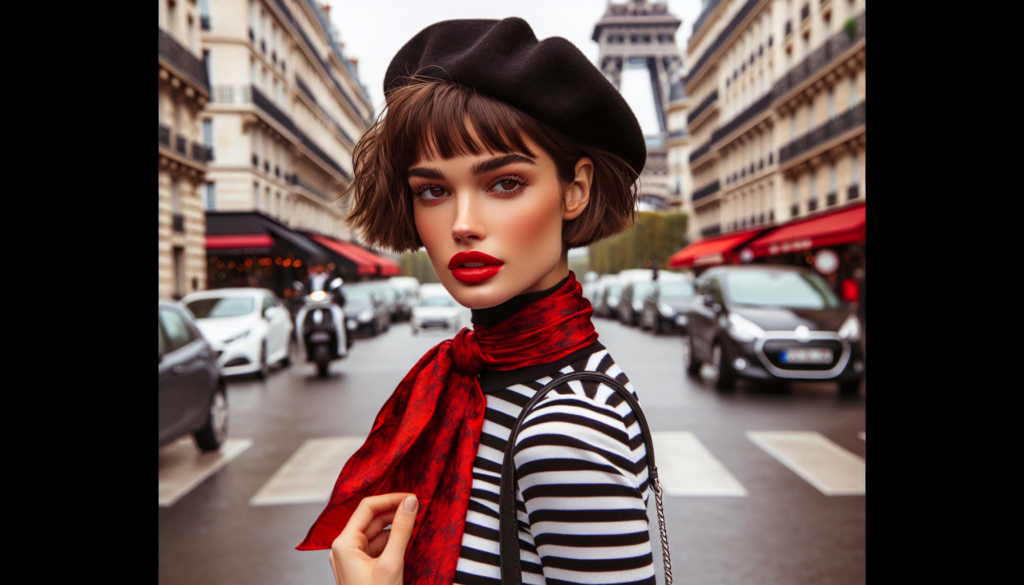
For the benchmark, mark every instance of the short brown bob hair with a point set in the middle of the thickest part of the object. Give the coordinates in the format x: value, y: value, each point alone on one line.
x: 429, y: 116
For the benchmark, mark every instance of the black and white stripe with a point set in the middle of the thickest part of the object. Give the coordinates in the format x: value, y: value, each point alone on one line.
x: 583, y: 489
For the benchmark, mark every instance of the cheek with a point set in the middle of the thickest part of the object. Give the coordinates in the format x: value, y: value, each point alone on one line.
x: 433, y: 231
x: 537, y: 228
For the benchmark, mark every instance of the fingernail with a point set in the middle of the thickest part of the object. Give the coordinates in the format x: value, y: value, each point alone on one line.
x: 410, y: 505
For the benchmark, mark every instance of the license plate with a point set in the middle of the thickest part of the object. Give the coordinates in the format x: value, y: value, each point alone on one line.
x: 319, y: 337
x: 807, y: 355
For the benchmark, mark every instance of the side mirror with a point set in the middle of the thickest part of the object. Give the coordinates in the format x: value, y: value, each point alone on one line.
x: 335, y: 284
x: 298, y: 286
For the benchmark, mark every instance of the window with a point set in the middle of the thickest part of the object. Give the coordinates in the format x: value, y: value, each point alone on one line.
x: 810, y: 116
x: 831, y: 104
x: 796, y: 194
x: 206, y: 63
x: 210, y: 196
x: 278, y: 197
x: 853, y: 91
x: 833, y: 179
x: 855, y: 170
x: 792, y: 127
x: 208, y: 133
x: 175, y: 196
x: 256, y: 195
x: 266, y: 200
x: 191, y: 35
x: 179, y: 273
x: 172, y: 16
x: 174, y: 328
x: 814, y: 186
x: 252, y: 71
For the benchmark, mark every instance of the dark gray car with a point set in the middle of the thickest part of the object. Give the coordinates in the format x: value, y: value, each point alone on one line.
x: 193, y: 398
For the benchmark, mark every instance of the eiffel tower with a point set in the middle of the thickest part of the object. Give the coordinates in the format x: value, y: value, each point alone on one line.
x: 641, y: 34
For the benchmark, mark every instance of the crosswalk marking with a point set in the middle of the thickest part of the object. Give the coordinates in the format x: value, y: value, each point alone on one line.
x: 183, y: 466
x: 825, y: 465
x: 309, y: 474
x: 687, y: 468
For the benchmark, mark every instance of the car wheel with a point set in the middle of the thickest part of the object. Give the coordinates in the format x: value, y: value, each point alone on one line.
x: 286, y: 361
x: 849, y: 387
x: 213, y: 435
x: 323, y: 360
x: 723, y: 379
x: 693, y: 365
x: 264, y: 370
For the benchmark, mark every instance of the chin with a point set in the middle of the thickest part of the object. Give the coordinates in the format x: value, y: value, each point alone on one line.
x: 478, y: 296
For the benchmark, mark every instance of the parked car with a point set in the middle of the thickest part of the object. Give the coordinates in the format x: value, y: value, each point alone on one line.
x: 666, y: 305
x: 637, y: 284
x: 405, y: 287
x: 763, y: 322
x: 607, y: 304
x: 249, y: 328
x: 365, y: 310
x: 435, y: 311
x: 193, y: 397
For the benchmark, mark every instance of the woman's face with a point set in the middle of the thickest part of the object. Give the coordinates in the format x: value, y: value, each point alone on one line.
x: 492, y: 223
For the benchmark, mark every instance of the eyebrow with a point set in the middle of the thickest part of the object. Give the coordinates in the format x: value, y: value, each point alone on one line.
x: 477, y: 169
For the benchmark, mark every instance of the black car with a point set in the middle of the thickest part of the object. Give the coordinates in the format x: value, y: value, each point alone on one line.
x: 365, y: 310
x: 762, y: 322
x: 193, y: 398
x: 607, y: 300
x: 666, y: 305
x: 631, y: 301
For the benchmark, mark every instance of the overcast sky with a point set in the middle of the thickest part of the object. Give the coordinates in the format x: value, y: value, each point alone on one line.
x: 374, y: 30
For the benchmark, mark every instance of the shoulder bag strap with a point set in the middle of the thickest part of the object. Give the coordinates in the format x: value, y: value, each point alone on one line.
x: 508, y: 520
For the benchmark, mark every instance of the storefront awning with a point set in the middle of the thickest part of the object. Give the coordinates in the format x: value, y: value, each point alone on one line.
x: 229, y: 241
x: 362, y: 259
x: 834, y: 228
x: 712, y: 251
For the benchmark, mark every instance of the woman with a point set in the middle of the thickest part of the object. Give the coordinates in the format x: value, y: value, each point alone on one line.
x: 497, y: 154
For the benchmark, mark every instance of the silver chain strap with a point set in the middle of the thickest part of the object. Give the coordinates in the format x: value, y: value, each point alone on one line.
x: 665, y: 556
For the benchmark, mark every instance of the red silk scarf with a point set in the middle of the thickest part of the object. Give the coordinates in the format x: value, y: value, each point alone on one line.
x: 425, y: 437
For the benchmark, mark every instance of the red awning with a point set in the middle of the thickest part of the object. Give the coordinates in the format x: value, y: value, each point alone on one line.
x: 834, y: 228
x: 224, y: 242
x: 712, y: 251
x: 363, y: 259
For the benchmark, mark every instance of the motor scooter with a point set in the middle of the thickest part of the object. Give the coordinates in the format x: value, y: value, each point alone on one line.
x: 320, y: 326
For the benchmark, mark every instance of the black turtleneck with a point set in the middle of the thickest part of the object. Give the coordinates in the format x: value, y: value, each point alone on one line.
x: 494, y: 381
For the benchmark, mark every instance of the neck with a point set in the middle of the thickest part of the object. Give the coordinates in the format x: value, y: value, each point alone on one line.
x: 497, y: 314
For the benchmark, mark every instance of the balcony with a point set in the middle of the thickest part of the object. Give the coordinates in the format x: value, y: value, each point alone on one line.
x: 712, y: 98
x: 165, y: 136
x: 721, y: 38
x: 178, y: 57
x: 701, y: 150
x: 706, y: 190
x: 180, y: 143
x: 201, y: 152
x: 745, y: 116
x: 852, y: 192
x: 848, y: 120
x: 834, y: 47
x: 178, y: 223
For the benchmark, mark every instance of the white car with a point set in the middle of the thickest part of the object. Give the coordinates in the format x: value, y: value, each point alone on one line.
x: 435, y: 311
x: 249, y: 328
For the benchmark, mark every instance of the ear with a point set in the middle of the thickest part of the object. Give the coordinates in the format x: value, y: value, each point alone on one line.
x: 577, y: 195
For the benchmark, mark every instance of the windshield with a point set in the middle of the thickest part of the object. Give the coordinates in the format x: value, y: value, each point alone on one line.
x: 221, y: 307
x: 672, y: 290
x: 770, y: 288
x: 641, y: 289
x: 359, y: 295
x: 437, y: 302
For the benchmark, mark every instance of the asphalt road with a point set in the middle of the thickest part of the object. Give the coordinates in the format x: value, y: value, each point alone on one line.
x: 764, y: 486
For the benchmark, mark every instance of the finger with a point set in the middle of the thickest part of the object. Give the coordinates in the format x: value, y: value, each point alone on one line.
x: 401, y: 531
x: 370, y: 507
x: 378, y: 524
x: 377, y: 545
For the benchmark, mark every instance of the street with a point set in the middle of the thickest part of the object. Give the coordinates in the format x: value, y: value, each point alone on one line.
x: 763, y: 486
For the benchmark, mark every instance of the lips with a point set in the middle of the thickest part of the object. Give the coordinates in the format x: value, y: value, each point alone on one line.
x: 474, y: 267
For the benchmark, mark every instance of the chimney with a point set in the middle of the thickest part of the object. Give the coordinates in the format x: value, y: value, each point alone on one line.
x: 355, y: 63
x: 327, y: 10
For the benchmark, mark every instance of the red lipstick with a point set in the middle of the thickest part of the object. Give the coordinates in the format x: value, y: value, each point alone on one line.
x: 474, y: 267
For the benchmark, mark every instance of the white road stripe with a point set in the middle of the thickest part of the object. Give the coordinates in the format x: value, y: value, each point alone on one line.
x: 183, y: 466
x: 309, y: 474
x: 825, y: 465
x: 687, y: 468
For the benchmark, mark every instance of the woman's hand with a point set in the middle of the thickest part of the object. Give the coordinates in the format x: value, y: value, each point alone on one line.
x: 366, y: 554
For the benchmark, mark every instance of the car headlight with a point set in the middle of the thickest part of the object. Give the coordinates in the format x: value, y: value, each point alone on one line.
x: 850, y: 329
x: 742, y: 329
x: 235, y: 338
x: 365, y: 315
x: 666, y: 310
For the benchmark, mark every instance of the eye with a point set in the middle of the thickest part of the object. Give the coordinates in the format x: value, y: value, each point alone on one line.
x: 509, y: 185
x: 430, y: 193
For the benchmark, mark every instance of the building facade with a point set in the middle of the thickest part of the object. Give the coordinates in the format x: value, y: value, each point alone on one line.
x: 777, y: 123
x: 184, y: 90
x: 677, y: 150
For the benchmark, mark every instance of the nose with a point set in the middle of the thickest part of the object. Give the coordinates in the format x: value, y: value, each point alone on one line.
x: 468, y: 223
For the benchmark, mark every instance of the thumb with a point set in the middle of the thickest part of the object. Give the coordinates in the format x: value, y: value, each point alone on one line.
x: 401, y: 532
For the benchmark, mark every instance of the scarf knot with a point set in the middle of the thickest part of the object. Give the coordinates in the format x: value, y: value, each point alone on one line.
x: 466, y: 355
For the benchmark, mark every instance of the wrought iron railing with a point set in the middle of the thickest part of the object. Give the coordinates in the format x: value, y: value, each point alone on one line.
x: 701, y: 150
x: 706, y: 190
x: 848, y: 120
x: 185, y: 62
x: 835, y: 46
x: 712, y: 98
x: 745, y: 116
x: 201, y: 153
x: 180, y: 144
x: 165, y: 136
x: 720, y: 39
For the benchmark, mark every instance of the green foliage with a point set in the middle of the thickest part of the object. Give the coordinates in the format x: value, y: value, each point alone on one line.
x: 418, y: 264
x: 656, y: 236
x: 851, y: 28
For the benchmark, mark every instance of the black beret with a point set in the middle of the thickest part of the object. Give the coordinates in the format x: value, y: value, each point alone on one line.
x: 550, y: 80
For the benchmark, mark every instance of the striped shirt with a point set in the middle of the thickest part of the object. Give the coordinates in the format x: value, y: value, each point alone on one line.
x: 582, y: 481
